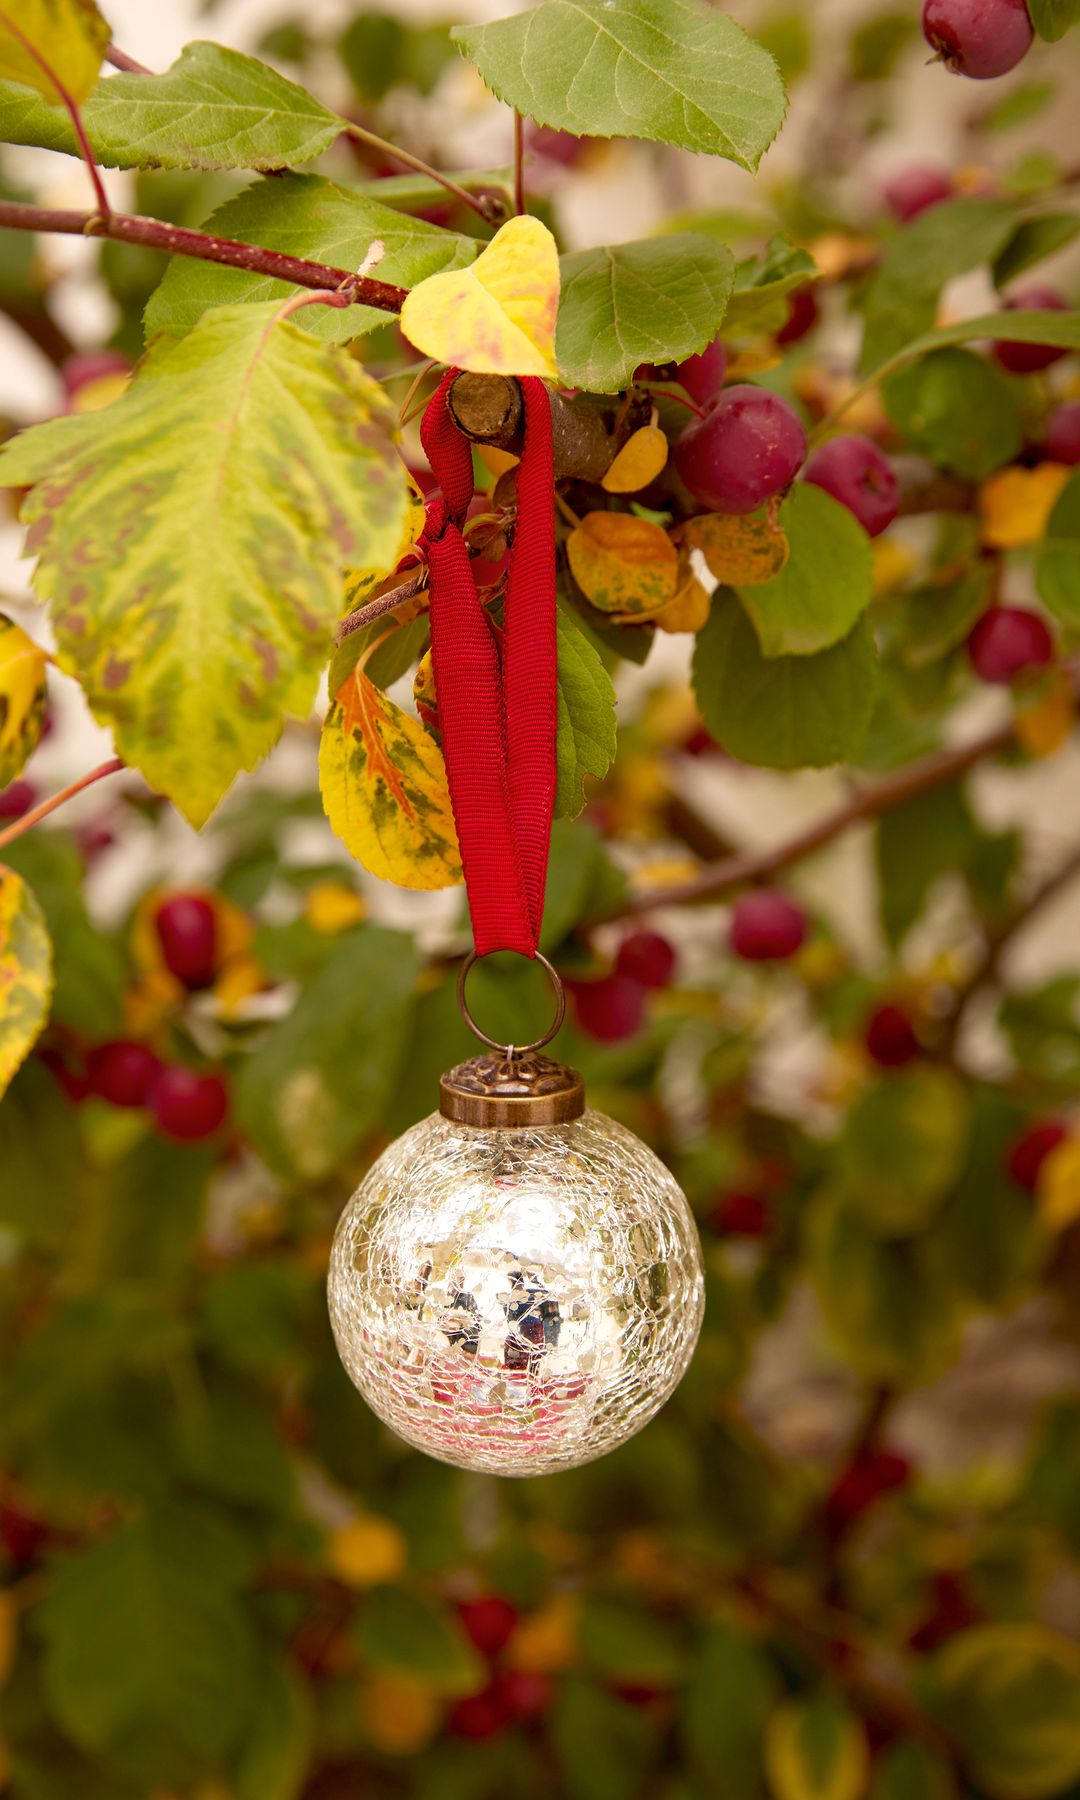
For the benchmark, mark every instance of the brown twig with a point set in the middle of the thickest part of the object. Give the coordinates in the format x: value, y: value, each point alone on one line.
x: 753, y: 866
x: 490, y: 206
x: 177, y: 240
x: 519, y: 163
x: 986, y: 970
x: 42, y: 811
x: 386, y: 603
x: 121, y: 60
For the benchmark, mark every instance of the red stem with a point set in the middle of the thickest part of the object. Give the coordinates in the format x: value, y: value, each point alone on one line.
x: 71, y: 107
x: 177, y: 240
x: 37, y: 813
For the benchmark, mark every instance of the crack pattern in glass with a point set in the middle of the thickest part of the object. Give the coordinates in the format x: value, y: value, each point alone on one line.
x: 516, y: 1301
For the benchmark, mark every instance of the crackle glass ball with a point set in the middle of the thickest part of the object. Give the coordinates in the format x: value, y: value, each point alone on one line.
x: 516, y: 1301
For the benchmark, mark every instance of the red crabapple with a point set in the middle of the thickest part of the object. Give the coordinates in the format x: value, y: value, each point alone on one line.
x: 766, y: 926
x: 1028, y: 359
x: 890, y: 1039
x: 803, y: 312
x: 748, y: 446
x: 979, y: 38
x: 187, y: 930
x: 488, y: 1623
x: 1029, y: 1151
x: 860, y: 476
x: 611, y: 1008
x: 122, y: 1072
x: 913, y: 191
x: 702, y: 375
x: 1006, y: 641
x: 1062, y: 441
x: 646, y: 957
x: 188, y: 1106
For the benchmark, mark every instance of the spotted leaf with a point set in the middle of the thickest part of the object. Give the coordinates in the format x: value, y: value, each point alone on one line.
x: 22, y: 698
x: 741, y: 549
x: 384, y: 789
x: 26, y: 972
x: 190, y: 540
x: 623, y: 564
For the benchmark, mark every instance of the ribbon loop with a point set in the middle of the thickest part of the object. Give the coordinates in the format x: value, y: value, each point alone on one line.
x: 497, y: 704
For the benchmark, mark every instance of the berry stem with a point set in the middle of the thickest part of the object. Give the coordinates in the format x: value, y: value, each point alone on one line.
x: 985, y: 971
x: 488, y: 205
x: 70, y: 106
x: 519, y: 164
x: 42, y: 811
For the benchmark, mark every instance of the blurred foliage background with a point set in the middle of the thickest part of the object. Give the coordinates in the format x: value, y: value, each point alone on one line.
x: 844, y: 1560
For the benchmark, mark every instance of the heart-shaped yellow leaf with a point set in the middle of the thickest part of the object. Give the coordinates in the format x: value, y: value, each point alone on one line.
x: 623, y: 564
x: 741, y: 549
x: 496, y: 317
x: 1015, y: 505
x: 639, y: 461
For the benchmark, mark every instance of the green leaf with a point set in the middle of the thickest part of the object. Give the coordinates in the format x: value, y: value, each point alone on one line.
x: 680, y: 74
x: 903, y: 1146
x: 824, y: 586
x: 273, y: 1764
x: 782, y: 712
x: 958, y: 408
x: 1033, y: 240
x: 917, y: 844
x: 1009, y: 1695
x: 727, y: 1701
x: 26, y: 972
x: 627, y: 1644
x: 815, y: 1750
x: 70, y: 38
x: 911, y: 1771
x: 763, y: 286
x: 417, y: 1636
x: 943, y: 242
x: 1057, y: 561
x: 603, y: 1746
x: 991, y: 1242
x: 41, y: 1156
x: 214, y: 109
x: 1060, y: 329
x: 1053, y: 18
x: 1019, y: 106
x: 148, y: 1659
x: 888, y: 1302
x: 939, y: 617
x: 586, y: 739
x: 241, y: 470
x: 305, y: 216
x: 659, y: 300
x: 320, y: 1078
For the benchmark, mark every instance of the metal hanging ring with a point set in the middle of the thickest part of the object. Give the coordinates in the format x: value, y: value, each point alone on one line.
x: 512, y: 1050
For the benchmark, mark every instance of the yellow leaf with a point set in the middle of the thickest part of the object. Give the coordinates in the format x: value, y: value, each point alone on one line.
x: 623, y: 564
x: 70, y: 38
x: 423, y: 688
x: 22, y: 698
x: 839, y: 253
x: 893, y: 564
x: 815, y: 1750
x: 1045, y: 717
x: 332, y: 906
x: 360, y: 584
x: 367, y: 1551
x: 547, y: 1640
x: 26, y: 972
x: 743, y: 550
x: 639, y: 461
x: 384, y: 789
x: 1016, y: 504
x: 687, y: 610
x: 1059, y: 1186
x: 401, y: 1715
x: 496, y: 462
x: 497, y: 317
x: 751, y: 359
x: 100, y: 391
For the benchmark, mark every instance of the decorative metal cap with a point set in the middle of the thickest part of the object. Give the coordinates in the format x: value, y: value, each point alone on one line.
x: 511, y: 1091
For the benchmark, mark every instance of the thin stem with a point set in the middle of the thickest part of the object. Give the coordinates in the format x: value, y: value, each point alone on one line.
x: 121, y: 60
x: 177, y: 240
x: 424, y: 369
x: 37, y: 813
x: 70, y: 106
x: 385, y: 603
x: 487, y: 205
x: 679, y: 399
x: 321, y: 297
x: 987, y: 968
x: 519, y: 163
x: 741, y: 870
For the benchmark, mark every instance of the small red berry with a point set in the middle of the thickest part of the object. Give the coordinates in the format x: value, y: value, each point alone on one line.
x: 978, y: 38
x: 742, y: 1214
x: 646, y: 957
x: 17, y: 799
x: 1027, y: 359
x: 187, y: 931
x: 1063, y: 434
x: 488, y: 1623
x: 913, y: 191
x: 122, y: 1072
x: 525, y: 1693
x: 766, y: 926
x: 748, y: 445
x: 860, y: 476
x: 480, y: 1716
x: 611, y: 1008
x: 188, y: 1106
x: 1030, y: 1150
x: 890, y: 1037
x: 803, y: 314
x: 702, y: 375
x: 1006, y: 641
x: 23, y: 1536
x: 84, y: 366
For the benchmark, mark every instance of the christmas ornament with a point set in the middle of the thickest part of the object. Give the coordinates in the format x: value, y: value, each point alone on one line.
x: 516, y: 1286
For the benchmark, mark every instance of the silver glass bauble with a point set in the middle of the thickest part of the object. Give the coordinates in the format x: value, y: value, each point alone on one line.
x: 516, y: 1298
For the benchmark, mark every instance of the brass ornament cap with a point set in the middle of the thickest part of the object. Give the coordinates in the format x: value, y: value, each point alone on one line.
x: 501, y: 1091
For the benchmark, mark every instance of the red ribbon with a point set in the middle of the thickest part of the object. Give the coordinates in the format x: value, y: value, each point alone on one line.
x: 497, y: 700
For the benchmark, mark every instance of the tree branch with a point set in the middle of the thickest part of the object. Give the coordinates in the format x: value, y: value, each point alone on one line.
x: 36, y: 813
x: 753, y: 866
x: 987, y: 968
x: 178, y: 240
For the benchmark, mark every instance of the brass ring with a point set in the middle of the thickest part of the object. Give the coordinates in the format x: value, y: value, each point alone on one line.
x: 512, y: 1050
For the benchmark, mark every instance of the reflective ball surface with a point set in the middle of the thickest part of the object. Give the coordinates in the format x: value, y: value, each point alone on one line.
x: 516, y: 1301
